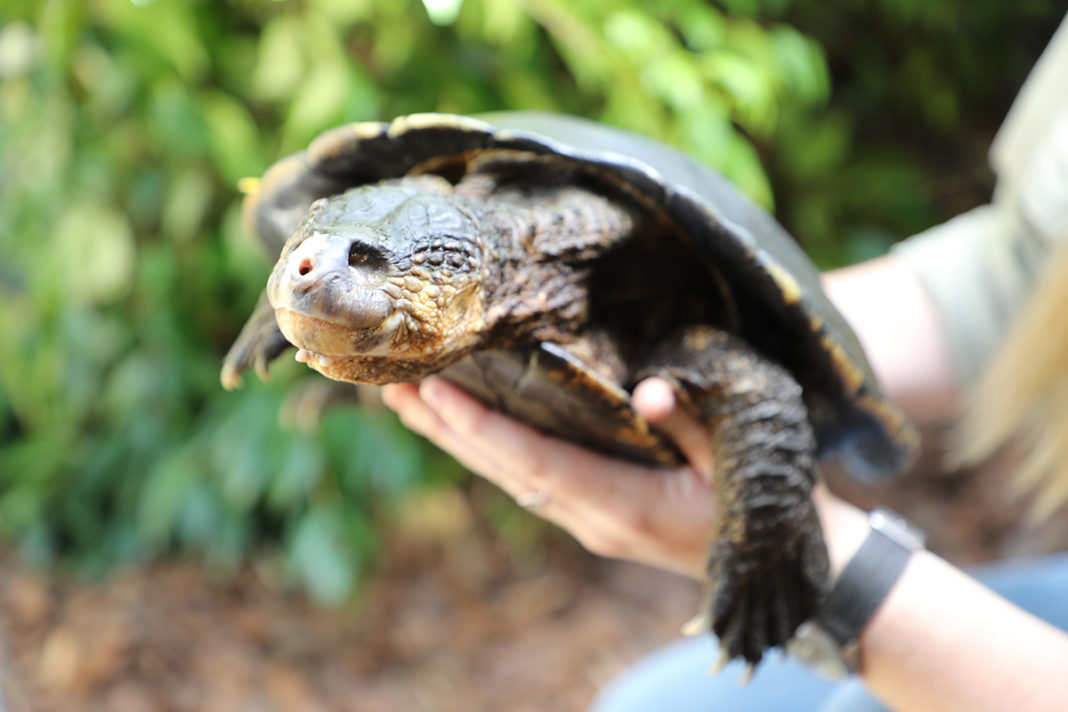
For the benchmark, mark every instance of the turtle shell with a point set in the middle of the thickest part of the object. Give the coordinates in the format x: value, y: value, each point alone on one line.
x: 787, y: 315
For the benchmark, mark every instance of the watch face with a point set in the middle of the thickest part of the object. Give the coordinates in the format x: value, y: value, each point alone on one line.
x: 815, y: 647
x: 897, y: 527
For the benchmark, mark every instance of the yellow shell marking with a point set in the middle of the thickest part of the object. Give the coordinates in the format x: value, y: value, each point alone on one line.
x: 414, y: 122
x: 852, y: 376
x: 791, y: 290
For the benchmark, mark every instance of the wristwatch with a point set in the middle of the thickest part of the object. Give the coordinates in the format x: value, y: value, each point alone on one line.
x: 827, y: 643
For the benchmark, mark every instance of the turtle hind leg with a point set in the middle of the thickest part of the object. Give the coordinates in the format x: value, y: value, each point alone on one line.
x: 767, y: 567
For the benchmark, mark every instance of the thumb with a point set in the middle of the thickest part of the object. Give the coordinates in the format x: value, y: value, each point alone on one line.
x: 654, y: 399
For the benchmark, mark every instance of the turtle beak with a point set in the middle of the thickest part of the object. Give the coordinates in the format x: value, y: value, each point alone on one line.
x: 316, y: 280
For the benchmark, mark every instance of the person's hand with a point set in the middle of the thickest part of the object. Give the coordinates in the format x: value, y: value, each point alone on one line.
x: 614, y: 508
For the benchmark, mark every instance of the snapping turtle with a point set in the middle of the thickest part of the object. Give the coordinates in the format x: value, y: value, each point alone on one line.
x: 548, y: 264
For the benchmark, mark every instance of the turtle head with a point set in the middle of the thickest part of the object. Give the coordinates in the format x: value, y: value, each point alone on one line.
x: 381, y: 283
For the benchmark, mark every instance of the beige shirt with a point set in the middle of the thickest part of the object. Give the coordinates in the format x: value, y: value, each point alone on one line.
x: 980, y: 267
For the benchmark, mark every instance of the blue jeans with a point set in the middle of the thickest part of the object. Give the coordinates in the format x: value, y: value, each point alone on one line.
x: 676, y: 676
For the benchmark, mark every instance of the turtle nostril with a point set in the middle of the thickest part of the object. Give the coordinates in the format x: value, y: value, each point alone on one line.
x: 305, y: 267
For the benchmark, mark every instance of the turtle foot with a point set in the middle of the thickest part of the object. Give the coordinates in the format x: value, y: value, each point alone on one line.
x: 757, y: 602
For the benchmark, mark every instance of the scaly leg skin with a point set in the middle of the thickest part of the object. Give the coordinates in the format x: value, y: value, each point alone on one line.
x: 767, y: 566
x: 259, y: 343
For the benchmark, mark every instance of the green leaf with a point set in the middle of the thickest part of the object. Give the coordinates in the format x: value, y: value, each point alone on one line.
x: 175, y: 121
x: 322, y: 556
x: 296, y: 476
x: 280, y: 61
x: 635, y: 33
x: 751, y: 94
x: 166, y: 27
x: 186, y: 203
x: 317, y: 103
x: 801, y: 65
x: 703, y: 27
x: 233, y: 136
x: 164, y: 494
x: 94, y: 252
x: 675, y: 79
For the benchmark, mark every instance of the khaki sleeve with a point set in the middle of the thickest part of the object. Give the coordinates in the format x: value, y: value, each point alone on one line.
x: 979, y: 268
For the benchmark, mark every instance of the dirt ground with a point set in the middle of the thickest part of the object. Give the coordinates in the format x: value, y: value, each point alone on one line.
x: 443, y: 627
x: 454, y: 620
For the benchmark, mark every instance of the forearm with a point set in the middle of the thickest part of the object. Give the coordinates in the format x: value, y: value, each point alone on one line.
x: 942, y: 641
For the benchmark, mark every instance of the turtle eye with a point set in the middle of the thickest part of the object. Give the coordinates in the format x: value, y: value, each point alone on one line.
x: 361, y: 255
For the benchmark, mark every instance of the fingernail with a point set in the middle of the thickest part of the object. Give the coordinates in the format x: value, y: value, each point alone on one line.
x: 654, y: 399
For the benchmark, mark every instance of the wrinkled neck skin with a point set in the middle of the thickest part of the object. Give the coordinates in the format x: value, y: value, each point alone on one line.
x: 542, y: 245
x: 439, y: 271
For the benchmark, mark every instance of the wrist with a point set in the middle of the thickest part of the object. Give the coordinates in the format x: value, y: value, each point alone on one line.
x: 844, y: 527
x: 869, y: 552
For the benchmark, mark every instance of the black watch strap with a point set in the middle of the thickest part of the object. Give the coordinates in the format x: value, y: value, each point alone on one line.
x: 828, y: 642
x: 863, y: 584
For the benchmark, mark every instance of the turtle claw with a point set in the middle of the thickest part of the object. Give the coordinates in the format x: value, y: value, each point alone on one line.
x: 259, y: 343
x: 230, y: 377
x: 261, y: 365
x: 722, y: 662
x: 697, y: 625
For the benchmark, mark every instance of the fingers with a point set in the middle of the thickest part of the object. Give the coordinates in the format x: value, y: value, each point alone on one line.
x: 581, y: 487
x: 520, y: 459
x: 654, y: 399
x: 613, y: 507
x: 518, y: 454
x: 404, y: 398
x: 482, y: 441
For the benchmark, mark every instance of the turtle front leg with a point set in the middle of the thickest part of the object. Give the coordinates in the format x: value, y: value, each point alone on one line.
x: 259, y: 343
x: 767, y: 565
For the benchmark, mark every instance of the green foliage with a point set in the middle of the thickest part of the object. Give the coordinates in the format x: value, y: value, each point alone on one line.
x: 124, y: 273
x: 919, y: 89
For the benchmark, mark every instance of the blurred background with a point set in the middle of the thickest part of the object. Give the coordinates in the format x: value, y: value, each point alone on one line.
x: 150, y: 520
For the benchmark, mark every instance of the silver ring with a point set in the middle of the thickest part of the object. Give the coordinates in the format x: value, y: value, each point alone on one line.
x: 532, y: 500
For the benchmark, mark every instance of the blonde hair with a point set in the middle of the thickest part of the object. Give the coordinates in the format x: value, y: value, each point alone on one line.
x: 1025, y: 394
